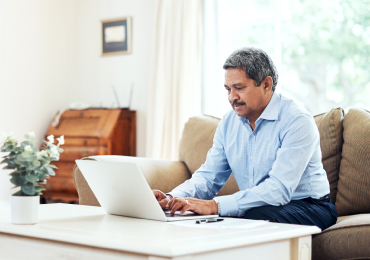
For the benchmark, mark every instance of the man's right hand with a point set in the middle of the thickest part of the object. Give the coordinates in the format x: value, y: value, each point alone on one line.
x: 161, y: 198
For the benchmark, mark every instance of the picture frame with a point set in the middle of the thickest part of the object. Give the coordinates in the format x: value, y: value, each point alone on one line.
x: 116, y: 36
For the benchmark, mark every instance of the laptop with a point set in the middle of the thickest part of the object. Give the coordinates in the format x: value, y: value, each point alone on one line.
x: 121, y: 189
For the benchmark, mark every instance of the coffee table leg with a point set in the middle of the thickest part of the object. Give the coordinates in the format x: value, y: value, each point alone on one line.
x: 300, y: 248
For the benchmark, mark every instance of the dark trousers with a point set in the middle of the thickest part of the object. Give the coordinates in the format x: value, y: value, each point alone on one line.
x: 314, y: 212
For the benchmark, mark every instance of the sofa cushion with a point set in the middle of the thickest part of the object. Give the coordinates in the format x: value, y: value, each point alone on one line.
x: 331, y: 141
x: 348, y: 239
x: 353, y: 195
x: 196, y: 140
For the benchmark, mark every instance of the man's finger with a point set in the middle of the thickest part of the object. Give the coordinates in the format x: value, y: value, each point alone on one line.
x: 172, y: 201
x: 178, y: 206
x: 159, y: 195
x: 187, y: 207
x: 163, y: 203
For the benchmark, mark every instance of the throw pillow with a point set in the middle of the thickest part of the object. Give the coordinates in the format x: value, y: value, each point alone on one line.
x: 331, y: 141
x: 354, y: 176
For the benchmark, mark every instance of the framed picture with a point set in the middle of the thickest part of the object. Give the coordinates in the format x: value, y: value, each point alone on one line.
x: 116, y: 36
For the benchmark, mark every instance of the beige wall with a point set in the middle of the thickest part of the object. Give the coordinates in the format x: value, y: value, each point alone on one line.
x: 36, y: 54
x: 94, y: 75
x: 50, y: 57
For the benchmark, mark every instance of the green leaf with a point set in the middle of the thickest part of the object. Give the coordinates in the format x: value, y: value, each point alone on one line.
x: 50, y: 171
x: 21, y: 158
x: 26, y: 155
x: 12, y: 155
x: 32, y: 178
x: 11, y: 163
x: 8, y: 168
x: 36, y: 163
x: 18, y: 161
x: 33, y: 157
x: 19, y: 193
x: 18, y: 149
x: 18, y: 180
x: 25, y: 143
x: 42, y: 176
x: 52, y: 166
x: 9, y: 148
x: 39, y: 188
x: 15, y: 173
x: 29, y: 189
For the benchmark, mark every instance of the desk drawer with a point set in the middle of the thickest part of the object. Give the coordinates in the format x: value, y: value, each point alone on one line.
x: 70, y: 141
x: 65, y: 169
x: 71, y: 153
x: 60, y: 184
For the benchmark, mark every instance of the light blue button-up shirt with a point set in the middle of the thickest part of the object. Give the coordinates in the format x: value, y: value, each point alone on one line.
x: 278, y: 161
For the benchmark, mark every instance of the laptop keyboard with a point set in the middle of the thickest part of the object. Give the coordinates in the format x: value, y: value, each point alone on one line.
x: 177, y: 214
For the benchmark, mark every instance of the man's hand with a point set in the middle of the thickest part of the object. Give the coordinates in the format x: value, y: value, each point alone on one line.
x: 161, y: 198
x: 203, y: 207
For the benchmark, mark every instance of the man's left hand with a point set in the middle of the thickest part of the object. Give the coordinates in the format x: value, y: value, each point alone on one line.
x: 203, y: 207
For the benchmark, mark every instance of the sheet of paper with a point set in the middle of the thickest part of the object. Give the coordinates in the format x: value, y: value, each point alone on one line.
x: 226, y: 223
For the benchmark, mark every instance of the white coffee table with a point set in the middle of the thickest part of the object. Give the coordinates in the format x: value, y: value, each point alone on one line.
x: 78, y: 232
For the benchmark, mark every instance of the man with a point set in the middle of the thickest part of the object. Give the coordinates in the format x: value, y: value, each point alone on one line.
x: 272, y: 147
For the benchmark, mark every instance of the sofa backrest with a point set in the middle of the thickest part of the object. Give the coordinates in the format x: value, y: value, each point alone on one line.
x: 196, y: 140
x: 353, y: 195
x: 330, y: 127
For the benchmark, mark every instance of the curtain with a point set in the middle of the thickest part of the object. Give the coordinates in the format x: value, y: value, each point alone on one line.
x: 174, y: 91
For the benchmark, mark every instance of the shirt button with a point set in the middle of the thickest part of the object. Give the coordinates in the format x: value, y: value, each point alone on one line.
x: 251, y: 157
x: 250, y: 180
x: 229, y: 214
x: 252, y: 135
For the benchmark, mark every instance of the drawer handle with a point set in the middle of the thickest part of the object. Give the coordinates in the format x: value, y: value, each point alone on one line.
x: 65, y: 184
x: 69, y: 167
x: 84, y: 152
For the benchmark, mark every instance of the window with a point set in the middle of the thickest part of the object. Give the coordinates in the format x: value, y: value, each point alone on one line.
x: 321, y: 49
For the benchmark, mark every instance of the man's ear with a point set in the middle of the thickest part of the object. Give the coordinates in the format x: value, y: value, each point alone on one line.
x: 267, y: 83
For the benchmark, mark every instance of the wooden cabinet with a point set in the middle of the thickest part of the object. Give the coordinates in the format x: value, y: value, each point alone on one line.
x: 88, y: 132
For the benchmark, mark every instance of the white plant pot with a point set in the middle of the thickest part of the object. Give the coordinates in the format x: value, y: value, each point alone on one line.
x: 24, y: 209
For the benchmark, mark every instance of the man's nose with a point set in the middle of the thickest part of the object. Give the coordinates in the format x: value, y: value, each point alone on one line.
x: 233, y: 95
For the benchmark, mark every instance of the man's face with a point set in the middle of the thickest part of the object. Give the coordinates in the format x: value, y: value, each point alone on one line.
x: 246, y: 99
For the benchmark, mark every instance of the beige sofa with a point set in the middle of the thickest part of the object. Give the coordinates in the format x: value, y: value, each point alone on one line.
x: 345, y: 144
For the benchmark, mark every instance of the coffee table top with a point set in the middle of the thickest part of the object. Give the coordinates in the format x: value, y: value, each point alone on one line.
x: 91, y: 226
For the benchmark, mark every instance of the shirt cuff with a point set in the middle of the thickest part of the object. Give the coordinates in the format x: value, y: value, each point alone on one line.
x: 229, y: 206
x: 176, y: 193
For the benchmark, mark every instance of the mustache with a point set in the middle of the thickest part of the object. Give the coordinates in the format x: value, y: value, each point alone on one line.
x: 236, y: 103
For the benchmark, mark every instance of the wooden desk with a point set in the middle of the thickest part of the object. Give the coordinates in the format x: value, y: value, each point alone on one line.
x: 88, y: 132
x: 85, y: 232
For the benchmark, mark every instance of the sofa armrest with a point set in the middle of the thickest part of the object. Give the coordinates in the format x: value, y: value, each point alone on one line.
x: 163, y: 175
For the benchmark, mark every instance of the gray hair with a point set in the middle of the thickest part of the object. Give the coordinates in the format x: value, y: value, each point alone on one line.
x: 256, y: 64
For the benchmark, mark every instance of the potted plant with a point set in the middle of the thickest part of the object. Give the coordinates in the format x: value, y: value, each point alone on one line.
x: 30, y: 168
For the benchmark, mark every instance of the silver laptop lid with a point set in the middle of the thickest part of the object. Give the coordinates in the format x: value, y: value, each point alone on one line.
x: 121, y: 189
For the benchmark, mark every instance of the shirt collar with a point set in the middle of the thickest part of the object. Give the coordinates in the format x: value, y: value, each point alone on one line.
x: 271, y: 111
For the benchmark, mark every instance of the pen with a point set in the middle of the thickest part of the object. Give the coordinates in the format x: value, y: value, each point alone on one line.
x: 210, y: 220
